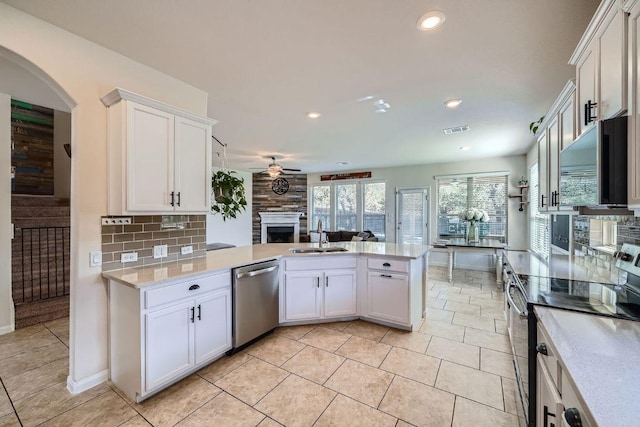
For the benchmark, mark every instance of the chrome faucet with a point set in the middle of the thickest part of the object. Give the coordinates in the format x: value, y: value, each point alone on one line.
x: 320, y: 240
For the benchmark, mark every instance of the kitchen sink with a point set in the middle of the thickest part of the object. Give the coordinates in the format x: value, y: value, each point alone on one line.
x: 317, y: 250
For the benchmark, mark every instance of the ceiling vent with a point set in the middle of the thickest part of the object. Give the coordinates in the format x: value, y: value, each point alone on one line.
x: 457, y: 129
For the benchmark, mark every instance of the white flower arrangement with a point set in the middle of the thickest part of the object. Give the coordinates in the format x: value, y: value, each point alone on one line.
x: 474, y: 215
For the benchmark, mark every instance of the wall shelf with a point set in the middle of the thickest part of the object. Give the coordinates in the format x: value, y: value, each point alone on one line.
x: 522, y: 196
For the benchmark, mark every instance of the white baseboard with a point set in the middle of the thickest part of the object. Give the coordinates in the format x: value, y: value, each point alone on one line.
x: 11, y: 326
x: 7, y: 329
x: 76, y: 387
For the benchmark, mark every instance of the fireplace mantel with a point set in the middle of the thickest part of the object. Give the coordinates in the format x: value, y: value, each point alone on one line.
x: 280, y: 219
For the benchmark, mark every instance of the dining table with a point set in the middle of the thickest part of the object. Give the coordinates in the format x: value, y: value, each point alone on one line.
x: 455, y: 245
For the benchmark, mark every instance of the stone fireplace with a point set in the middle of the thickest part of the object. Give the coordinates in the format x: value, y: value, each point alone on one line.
x: 280, y: 227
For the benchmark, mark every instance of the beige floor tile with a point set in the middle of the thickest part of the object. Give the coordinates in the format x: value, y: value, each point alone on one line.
x: 223, y: 410
x: 314, y: 364
x: 223, y: 366
x: 477, y: 322
x: 325, y: 338
x: 445, y: 286
x: 438, y: 315
x: 471, y: 383
x: 19, y: 342
x: 454, y: 351
x: 52, y: 401
x: 108, y: 409
x: 492, y: 312
x: 414, y: 341
x: 176, y: 402
x: 252, y: 381
x: 486, y: 339
x: 455, y: 296
x: 409, y: 364
x: 460, y: 307
x: 10, y: 420
x: 33, y: 358
x: 433, y: 302
x: 275, y: 349
x: 136, y: 421
x: 501, y: 326
x: 360, y: 382
x: 368, y: 330
x: 338, y: 326
x: 418, y: 404
x: 444, y: 330
x: 498, y: 294
x: 345, y: 412
x: 475, y: 291
x: 294, y: 332
x: 60, y: 328
x: 364, y: 350
x: 296, y: 402
x: 5, y: 403
x: 268, y: 422
x: 468, y: 413
x: 22, y: 385
x: 486, y: 300
x: 497, y: 363
x: 512, y: 402
x: 402, y: 423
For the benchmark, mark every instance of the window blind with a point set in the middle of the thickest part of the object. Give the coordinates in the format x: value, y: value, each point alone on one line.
x: 538, y: 223
x: 488, y: 192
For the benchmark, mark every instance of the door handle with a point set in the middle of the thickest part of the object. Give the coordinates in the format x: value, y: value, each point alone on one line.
x: 318, y: 282
x: 173, y: 195
x: 388, y: 276
x: 326, y: 281
x: 194, y: 287
x: 193, y: 315
x: 199, y: 312
x: 542, y: 200
x: 386, y: 264
x: 178, y: 198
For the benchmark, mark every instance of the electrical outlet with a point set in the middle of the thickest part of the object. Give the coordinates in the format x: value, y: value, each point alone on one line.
x: 95, y: 258
x: 160, y: 251
x: 186, y: 250
x: 129, y: 257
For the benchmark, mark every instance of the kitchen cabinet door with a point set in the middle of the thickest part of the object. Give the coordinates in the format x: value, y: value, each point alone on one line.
x: 549, y: 404
x: 192, y: 166
x: 150, y: 159
x: 567, y: 122
x: 212, y: 325
x: 168, y: 344
x: 553, y: 166
x: 586, y: 86
x: 339, y: 293
x: 613, y: 64
x: 388, y: 297
x: 543, y: 173
x: 302, y: 295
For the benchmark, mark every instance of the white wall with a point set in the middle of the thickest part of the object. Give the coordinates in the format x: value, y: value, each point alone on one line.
x: 80, y: 72
x: 423, y: 176
x: 235, y: 231
x: 61, y: 161
x: 6, y: 301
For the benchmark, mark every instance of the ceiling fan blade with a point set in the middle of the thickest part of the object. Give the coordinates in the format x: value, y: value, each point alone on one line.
x: 292, y: 170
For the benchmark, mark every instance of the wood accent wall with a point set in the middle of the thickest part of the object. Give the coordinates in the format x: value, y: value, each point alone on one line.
x: 32, y: 153
x: 265, y: 200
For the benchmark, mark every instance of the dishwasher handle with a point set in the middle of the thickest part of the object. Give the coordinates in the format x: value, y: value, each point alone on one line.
x: 255, y: 272
x: 521, y: 313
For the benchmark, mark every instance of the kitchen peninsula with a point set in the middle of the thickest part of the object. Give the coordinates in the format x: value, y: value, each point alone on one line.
x: 169, y: 320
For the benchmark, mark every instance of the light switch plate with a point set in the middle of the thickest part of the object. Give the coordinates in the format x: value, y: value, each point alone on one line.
x: 95, y: 258
x: 160, y: 251
x: 186, y: 250
x: 129, y: 257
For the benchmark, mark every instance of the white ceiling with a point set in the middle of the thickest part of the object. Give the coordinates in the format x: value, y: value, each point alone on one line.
x: 266, y: 63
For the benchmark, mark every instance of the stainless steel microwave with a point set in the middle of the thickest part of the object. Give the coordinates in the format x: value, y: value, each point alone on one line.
x: 593, y: 170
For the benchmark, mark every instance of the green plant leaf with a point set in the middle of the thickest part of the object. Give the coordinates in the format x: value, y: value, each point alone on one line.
x: 228, y: 195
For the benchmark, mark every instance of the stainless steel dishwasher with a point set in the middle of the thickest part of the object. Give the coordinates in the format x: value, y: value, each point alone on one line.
x: 255, y: 301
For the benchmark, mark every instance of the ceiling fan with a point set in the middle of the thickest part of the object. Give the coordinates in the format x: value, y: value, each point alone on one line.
x: 274, y: 169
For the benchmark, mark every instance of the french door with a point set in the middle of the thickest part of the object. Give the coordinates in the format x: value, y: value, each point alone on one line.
x: 412, y: 219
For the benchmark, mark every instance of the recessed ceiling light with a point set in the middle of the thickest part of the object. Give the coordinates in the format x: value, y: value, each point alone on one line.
x: 342, y: 163
x: 465, y: 148
x: 453, y: 103
x: 313, y: 115
x: 430, y: 20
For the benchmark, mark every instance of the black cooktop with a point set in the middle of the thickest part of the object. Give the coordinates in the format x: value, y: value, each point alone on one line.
x: 590, y: 297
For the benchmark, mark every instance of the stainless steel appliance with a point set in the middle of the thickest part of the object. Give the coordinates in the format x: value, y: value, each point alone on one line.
x: 593, y: 170
x: 255, y: 301
x: 523, y: 292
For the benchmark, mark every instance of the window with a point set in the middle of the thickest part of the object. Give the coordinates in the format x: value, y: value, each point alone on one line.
x: 482, y: 191
x: 538, y: 223
x: 349, y: 206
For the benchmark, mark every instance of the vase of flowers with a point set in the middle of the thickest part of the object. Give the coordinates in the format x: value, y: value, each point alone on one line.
x: 472, y: 216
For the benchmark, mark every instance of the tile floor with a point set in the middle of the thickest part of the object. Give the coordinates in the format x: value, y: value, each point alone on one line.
x: 455, y: 371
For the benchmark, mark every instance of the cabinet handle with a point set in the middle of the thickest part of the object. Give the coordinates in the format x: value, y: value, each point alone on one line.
x: 386, y: 264
x: 194, y: 287
x: 193, y: 315
x: 199, y: 312
x: 547, y: 414
x: 572, y: 416
x: 173, y: 195
x: 178, y: 199
x: 542, y: 349
x: 542, y: 200
x: 318, y: 282
x: 326, y: 281
x: 386, y: 275
x: 588, y: 108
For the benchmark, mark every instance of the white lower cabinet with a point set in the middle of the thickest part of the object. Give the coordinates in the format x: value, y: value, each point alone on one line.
x: 549, y: 403
x: 310, y: 295
x: 160, y: 334
x: 388, y: 296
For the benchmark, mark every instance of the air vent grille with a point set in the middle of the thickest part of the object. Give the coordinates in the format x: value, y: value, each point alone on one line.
x: 456, y: 129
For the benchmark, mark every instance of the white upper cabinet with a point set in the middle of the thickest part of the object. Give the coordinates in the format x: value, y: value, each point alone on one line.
x: 633, y: 199
x: 159, y: 157
x: 601, y: 66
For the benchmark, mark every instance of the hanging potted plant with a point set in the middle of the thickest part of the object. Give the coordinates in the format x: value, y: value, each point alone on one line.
x: 227, y: 190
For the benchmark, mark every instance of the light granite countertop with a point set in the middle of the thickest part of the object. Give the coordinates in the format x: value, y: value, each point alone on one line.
x: 601, y: 355
x: 561, y: 267
x: 225, y: 259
